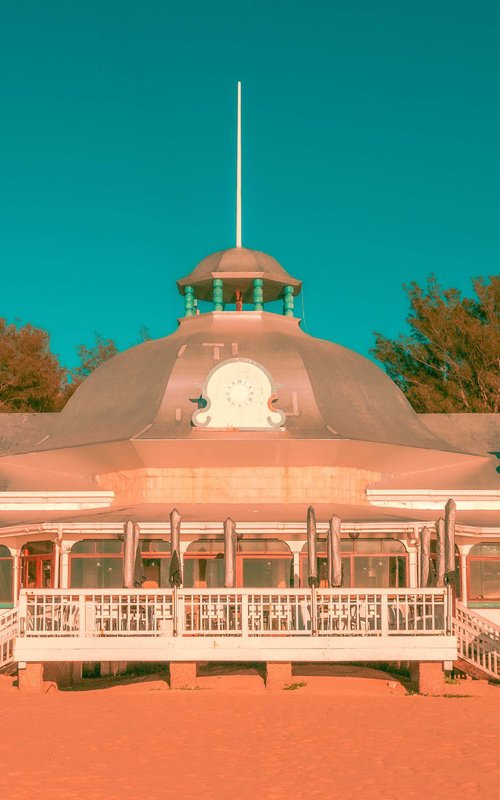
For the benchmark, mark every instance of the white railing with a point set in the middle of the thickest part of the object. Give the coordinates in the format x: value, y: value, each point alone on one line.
x: 87, y: 613
x: 478, y: 640
x: 234, y: 612
x: 9, y: 630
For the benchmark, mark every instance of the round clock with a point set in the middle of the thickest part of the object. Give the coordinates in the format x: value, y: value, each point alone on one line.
x: 239, y: 392
x: 238, y: 395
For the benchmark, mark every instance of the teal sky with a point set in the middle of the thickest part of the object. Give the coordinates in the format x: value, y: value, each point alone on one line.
x: 371, y: 155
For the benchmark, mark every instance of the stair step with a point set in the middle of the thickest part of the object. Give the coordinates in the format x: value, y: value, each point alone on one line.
x: 472, y: 669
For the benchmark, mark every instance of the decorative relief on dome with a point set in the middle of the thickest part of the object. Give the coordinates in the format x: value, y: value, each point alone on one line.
x: 238, y: 394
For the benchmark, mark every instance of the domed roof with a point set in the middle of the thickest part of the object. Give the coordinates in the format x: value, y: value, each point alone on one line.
x: 238, y: 266
x: 152, y: 390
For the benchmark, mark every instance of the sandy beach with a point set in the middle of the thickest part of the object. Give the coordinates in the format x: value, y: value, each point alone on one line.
x: 357, y: 736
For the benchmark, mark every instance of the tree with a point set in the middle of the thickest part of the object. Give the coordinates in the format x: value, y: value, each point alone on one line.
x: 90, y: 358
x: 31, y: 378
x: 450, y: 361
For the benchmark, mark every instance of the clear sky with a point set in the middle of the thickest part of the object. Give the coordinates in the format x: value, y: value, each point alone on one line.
x: 371, y: 155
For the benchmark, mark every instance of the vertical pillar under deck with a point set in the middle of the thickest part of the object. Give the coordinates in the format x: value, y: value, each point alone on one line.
x: 278, y: 674
x: 428, y: 677
x: 182, y: 674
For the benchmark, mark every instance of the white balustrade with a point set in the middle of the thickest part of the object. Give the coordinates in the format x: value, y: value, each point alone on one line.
x: 9, y: 630
x: 478, y: 640
x: 234, y: 612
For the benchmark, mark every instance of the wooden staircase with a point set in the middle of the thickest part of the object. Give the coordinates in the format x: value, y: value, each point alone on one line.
x: 478, y: 644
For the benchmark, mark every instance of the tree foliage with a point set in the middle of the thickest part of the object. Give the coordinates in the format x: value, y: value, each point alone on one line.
x: 450, y: 361
x: 31, y: 378
x: 90, y: 358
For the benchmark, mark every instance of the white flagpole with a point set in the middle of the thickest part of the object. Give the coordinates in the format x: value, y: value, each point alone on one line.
x: 238, y: 172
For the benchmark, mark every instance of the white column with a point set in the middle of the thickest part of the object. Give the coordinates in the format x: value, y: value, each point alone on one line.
x: 412, y: 567
x: 57, y: 559
x: 463, y: 577
x: 64, y: 567
x: 16, y: 570
x: 296, y: 548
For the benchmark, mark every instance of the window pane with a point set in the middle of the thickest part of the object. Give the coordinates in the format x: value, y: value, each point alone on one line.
x: 485, y: 579
x: 262, y: 546
x: 46, y: 567
x: 4, y: 551
x: 380, y: 573
x: 156, y: 572
x: 262, y: 573
x: 323, y: 573
x: 154, y: 546
x: 364, y: 546
x: 486, y: 549
x: 214, y: 546
x: 6, y: 595
x: 204, y: 573
x: 98, y: 546
x: 96, y: 573
x: 392, y: 546
x: 37, y: 548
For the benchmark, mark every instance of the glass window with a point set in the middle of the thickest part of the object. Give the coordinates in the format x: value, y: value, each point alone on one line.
x: 488, y: 549
x: 98, y: 546
x: 370, y: 563
x: 381, y: 573
x: 433, y: 567
x: 156, y: 563
x: 212, y: 546
x: 96, y: 573
x: 205, y: 573
x: 275, y: 573
x: 263, y: 546
x: 6, y: 577
x: 154, y: 546
x: 96, y: 564
x: 365, y: 546
x: 38, y: 548
x: 484, y: 571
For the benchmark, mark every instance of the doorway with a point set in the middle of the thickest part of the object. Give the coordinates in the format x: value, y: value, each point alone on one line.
x: 37, y: 565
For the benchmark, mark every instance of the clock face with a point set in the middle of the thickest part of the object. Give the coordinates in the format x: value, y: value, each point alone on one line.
x: 239, y: 395
x: 240, y: 392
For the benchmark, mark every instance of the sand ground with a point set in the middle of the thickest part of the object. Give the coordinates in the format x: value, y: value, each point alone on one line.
x: 345, y: 735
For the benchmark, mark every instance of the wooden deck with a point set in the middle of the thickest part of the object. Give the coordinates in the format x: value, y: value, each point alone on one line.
x: 235, y: 625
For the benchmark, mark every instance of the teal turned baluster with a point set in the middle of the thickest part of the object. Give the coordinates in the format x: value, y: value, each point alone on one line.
x: 288, y: 301
x: 258, y: 294
x: 189, y: 301
x: 218, y: 294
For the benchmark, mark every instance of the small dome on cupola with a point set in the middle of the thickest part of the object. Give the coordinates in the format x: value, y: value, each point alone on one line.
x: 239, y: 269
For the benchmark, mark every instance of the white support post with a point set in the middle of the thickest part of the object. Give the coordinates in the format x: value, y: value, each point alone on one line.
x: 244, y: 615
x: 384, y: 616
x: 463, y: 577
x: 64, y: 569
x: 17, y: 563
x: 85, y: 618
x: 448, y: 603
x: 179, y: 609
x: 23, y: 611
x: 314, y: 613
x: 413, y: 567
